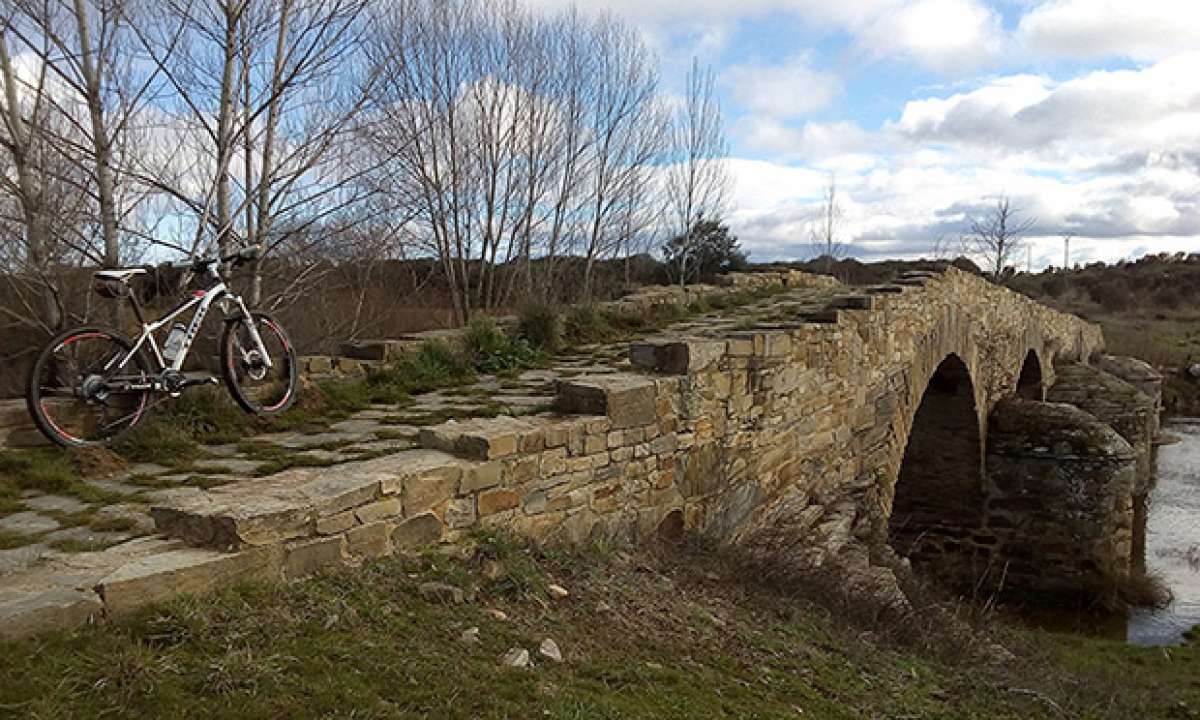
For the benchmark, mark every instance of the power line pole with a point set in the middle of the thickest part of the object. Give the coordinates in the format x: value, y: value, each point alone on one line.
x: 1066, y: 251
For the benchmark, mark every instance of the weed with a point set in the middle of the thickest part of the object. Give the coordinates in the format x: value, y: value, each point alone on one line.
x: 541, y: 326
x: 10, y: 540
x: 158, y: 440
x: 71, y: 545
x: 490, y: 350
x: 44, y: 469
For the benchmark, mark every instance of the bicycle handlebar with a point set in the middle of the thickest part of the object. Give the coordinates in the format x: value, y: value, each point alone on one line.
x: 237, y: 259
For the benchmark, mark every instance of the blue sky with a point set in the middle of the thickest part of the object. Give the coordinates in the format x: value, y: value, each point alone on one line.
x: 1085, y: 112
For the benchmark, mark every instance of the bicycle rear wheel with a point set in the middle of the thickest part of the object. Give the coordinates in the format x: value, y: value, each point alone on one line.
x: 71, y: 393
x: 257, y: 388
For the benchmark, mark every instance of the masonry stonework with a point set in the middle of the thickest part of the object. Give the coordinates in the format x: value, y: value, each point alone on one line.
x: 788, y: 433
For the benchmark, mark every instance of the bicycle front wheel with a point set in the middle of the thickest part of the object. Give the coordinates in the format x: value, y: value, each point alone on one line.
x: 259, y: 387
x: 79, y: 394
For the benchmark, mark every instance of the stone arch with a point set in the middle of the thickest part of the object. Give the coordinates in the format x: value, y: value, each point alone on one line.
x: 1030, y: 381
x: 938, y: 495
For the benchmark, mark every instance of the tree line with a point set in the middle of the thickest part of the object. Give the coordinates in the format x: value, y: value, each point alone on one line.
x: 496, y: 139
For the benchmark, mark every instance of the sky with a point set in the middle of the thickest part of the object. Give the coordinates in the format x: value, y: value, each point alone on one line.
x: 1084, y: 113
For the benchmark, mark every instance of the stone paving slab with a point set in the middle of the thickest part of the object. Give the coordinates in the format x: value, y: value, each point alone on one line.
x: 55, y: 503
x: 28, y: 523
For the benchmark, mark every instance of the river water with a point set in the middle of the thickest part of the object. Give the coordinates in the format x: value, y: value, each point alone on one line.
x: 1173, y: 539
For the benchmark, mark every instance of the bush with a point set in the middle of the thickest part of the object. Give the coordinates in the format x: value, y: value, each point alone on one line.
x: 541, y: 326
x: 489, y: 349
x: 586, y: 324
x: 1112, y: 296
x: 1168, y: 297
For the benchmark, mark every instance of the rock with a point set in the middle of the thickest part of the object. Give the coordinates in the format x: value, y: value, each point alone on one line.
x: 55, y: 503
x: 28, y: 613
x: 469, y: 636
x: 498, y: 614
x: 420, y: 531
x: 441, y: 592
x: 516, y: 657
x: 549, y: 649
x: 28, y: 523
x: 557, y: 591
x: 493, y: 570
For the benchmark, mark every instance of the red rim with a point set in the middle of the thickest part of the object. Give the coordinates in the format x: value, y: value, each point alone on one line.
x: 42, y: 403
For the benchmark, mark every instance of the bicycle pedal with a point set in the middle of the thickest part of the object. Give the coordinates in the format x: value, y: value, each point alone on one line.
x: 193, y: 382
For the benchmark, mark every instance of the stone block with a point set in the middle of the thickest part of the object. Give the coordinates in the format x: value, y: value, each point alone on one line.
x: 377, y: 350
x: 379, y: 510
x: 460, y: 513
x: 627, y: 400
x: 192, y: 571
x: 478, y: 438
x: 676, y: 356
x: 308, y: 557
x: 317, y: 364
x: 481, y: 477
x: 417, y: 532
x: 372, y: 541
x: 336, y: 524
x: 496, y: 501
x: 28, y: 612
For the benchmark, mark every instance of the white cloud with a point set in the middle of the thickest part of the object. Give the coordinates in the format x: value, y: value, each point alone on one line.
x: 781, y: 90
x: 1098, y: 115
x: 1139, y: 29
x: 815, y: 142
x: 1113, y: 156
x: 946, y: 35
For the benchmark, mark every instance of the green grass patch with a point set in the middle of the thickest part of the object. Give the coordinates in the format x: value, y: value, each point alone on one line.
x: 71, y: 545
x: 47, y: 470
x: 10, y: 540
x: 679, y: 635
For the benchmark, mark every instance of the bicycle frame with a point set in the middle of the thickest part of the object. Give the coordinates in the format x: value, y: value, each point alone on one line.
x: 202, y: 301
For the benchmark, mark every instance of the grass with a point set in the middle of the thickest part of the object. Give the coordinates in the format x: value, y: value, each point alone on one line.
x: 672, y: 634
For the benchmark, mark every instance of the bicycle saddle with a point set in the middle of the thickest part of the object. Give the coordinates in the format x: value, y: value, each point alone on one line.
x: 120, y: 275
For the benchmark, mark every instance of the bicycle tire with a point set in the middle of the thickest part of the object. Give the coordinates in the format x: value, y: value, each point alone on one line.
x: 35, y: 398
x: 232, y: 365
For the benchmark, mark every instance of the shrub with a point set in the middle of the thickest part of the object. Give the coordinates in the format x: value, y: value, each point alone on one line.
x: 1112, y: 296
x: 586, y: 324
x: 491, y: 350
x: 541, y: 326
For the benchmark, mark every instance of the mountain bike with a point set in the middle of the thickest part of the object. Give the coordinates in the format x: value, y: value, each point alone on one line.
x: 92, y: 384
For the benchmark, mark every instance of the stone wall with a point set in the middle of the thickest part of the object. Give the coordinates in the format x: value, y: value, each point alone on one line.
x: 795, y: 429
x: 789, y: 437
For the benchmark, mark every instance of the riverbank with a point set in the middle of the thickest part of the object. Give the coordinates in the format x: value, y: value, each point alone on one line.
x: 669, y: 633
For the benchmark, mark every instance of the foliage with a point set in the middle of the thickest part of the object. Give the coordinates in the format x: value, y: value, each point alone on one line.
x: 705, y: 250
x: 541, y: 326
x: 491, y: 350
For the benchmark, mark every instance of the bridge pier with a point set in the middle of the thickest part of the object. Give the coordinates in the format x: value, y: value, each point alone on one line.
x: 1058, y: 518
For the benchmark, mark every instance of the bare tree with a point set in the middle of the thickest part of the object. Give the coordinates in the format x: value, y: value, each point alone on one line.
x: 627, y: 138
x: 265, y: 95
x: 698, y: 182
x: 998, y: 237
x: 825, y: 230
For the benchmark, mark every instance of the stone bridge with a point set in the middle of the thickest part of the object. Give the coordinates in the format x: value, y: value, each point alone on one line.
x: 832, y: 427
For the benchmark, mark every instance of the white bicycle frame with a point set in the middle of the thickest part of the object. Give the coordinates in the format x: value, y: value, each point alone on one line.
x: 202, y: 301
